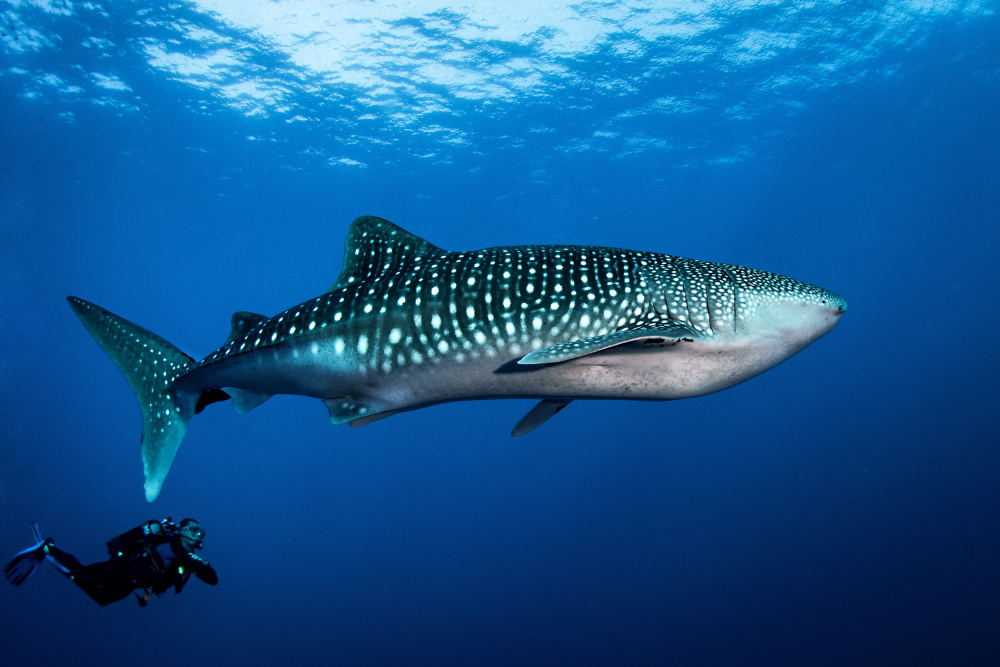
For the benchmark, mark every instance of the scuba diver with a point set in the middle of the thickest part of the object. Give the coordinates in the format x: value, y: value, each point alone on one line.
x: 145, y: 560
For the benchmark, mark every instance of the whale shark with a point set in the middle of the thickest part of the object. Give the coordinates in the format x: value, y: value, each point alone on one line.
x: 408, y: 325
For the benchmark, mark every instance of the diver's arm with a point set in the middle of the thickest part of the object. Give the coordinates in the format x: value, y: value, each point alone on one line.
x: 194, y: 563
x: 201, y: 569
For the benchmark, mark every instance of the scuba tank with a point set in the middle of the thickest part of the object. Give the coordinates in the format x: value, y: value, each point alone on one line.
x: 138, y: 547
x: 135, y: 540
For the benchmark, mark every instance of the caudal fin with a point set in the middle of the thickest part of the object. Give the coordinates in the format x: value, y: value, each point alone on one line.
x: 151, y: 365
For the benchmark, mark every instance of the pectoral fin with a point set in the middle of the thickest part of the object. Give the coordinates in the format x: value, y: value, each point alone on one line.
x: 584, y: 346
x: 345, y: 409
x: 364, y: 421
x: 538, y: 415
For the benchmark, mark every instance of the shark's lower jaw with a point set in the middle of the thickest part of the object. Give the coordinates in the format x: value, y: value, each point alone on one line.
x: 408, y: 324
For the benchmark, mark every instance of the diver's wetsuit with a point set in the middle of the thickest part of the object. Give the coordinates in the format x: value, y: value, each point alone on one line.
x: 113, y: 580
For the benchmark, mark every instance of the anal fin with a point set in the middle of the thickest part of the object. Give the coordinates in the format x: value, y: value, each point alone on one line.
x: 245, y: 400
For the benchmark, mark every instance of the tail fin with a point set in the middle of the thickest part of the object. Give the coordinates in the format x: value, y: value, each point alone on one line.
x: 151, y: 365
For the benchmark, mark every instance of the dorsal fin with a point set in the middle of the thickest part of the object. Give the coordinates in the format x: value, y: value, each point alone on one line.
x: 242, y: 322
x: 373, y: 245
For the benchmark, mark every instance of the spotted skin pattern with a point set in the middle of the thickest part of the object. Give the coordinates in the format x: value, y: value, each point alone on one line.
x: 404, y: 301
x: 408, y: 324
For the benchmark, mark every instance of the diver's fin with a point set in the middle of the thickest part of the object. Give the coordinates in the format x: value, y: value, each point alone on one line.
x: 584, y: 346
x: 47, y: 544
x: 55, y: 562
x: 538, y: 415
x: 151, y: 365
x: 25, y: 563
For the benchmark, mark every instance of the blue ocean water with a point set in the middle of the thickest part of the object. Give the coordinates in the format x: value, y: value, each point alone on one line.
x: 176, y: 162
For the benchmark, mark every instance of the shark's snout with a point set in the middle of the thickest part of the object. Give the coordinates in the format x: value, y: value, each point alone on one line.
x: 835, y: 303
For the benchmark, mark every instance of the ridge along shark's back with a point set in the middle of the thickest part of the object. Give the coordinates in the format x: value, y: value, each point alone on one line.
x: 408, y: 324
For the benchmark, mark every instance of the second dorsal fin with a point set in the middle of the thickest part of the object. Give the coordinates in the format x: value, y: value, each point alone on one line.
x: 242, y: 323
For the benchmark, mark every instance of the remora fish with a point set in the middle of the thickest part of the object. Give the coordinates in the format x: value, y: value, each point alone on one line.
x: 408, y: 325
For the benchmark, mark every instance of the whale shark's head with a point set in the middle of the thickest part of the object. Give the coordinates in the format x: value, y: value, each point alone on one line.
x: 796, y: 313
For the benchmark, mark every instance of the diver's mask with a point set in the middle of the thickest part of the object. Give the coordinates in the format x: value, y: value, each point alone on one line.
x: 196, y: 533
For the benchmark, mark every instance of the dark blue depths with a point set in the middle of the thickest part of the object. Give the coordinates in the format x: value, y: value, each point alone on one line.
x: 839, y: 509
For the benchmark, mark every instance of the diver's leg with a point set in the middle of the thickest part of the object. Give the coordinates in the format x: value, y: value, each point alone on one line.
x: 65, y: 562
x: 106, y: 581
